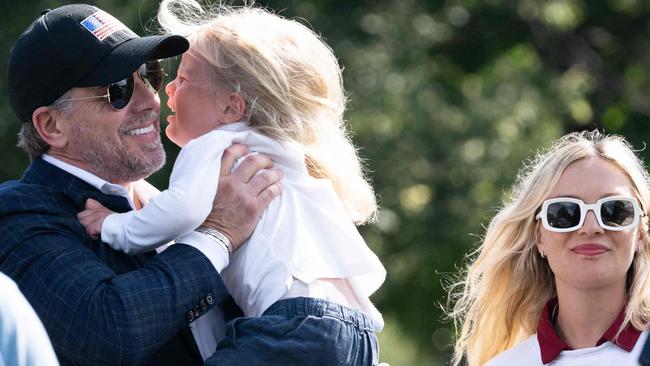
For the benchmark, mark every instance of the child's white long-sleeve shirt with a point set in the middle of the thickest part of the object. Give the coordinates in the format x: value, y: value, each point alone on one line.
x: 305, y: 234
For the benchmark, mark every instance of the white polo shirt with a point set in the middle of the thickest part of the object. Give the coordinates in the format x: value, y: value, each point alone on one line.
x: 528, y: 353
x: 547, y: 348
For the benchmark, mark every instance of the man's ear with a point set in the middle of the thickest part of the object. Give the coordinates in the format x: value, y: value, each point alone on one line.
x: 48, y: 126
x: 235, y: 109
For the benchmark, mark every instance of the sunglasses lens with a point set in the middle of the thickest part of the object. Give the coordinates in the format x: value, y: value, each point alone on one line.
x: 119, y: 93
x: 617, y: 213
x: 563, y: 215
x: 152, y: 74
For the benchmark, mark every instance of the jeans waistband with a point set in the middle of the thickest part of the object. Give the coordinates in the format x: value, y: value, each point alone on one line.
x: 305, y: 306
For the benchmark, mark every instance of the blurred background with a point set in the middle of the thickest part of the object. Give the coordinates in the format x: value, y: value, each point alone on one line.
x: 446, y: 100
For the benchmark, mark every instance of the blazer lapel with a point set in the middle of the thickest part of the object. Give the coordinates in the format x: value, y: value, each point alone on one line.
x: 78, y: 191
x: 45, y: 174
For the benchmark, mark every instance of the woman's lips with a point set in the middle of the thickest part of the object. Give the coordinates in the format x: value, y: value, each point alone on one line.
x: 590, y: 249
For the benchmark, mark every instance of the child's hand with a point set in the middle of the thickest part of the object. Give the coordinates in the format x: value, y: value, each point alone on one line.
x: 93, y: 217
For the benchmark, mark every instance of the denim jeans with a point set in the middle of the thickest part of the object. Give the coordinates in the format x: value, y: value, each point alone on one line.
x: 299, y: 331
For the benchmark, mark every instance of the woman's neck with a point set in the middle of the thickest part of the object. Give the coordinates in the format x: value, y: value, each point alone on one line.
x: 583, y: 316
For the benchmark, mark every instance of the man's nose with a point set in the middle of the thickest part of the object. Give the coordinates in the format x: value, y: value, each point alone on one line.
x: 144, y: 97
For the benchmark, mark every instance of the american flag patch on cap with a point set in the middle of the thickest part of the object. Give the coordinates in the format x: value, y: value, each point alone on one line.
x: 101, y: 24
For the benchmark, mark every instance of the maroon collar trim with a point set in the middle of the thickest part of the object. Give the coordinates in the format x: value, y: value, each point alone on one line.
x: 551, y: 345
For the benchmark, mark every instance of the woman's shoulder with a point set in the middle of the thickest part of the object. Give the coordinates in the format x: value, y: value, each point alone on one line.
x: 524, y: 353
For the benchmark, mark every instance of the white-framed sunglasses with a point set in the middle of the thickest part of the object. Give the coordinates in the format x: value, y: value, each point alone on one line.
x: 564, y: 214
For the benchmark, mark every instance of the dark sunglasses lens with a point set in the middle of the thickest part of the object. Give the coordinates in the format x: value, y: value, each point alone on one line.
x: 119, y: 93
x: 563, y: 215
x: 617, y: 213
x: 152, y: 74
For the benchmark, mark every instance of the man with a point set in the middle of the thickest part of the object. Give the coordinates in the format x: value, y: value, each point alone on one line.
x: 85, y: 87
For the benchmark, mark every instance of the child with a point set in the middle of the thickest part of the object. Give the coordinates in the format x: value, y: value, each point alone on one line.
x: 304, y: 277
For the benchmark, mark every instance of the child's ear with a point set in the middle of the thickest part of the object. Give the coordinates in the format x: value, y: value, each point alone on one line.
x: 236, y: 108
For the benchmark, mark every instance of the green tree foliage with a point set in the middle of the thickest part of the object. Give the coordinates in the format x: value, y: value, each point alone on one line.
x: 446, y: 99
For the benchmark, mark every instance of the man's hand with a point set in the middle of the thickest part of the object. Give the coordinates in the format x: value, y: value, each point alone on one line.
x: 243, y: 195
x: 93, y: 217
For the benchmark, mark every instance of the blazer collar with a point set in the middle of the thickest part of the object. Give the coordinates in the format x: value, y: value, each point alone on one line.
x: 45, y: 174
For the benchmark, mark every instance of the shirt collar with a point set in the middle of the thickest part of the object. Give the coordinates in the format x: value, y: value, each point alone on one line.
x: 551, y: 345
x: 95, y: 181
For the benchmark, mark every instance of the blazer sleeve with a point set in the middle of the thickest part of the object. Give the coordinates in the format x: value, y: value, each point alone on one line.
x: 101, y: 315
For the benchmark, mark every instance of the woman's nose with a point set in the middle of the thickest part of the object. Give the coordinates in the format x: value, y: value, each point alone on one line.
x: 591, y: 224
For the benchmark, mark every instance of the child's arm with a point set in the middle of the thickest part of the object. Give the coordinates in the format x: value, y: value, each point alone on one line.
x: 179, y: 209
x: 93, y: 216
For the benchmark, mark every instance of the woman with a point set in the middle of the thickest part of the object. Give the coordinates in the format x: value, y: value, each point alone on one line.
x: 563, y: 274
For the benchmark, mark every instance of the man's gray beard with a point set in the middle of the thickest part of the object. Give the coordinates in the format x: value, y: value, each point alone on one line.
x: 116, y: 163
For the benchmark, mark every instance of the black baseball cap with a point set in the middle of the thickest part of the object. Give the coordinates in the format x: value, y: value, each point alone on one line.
x: 77, y: 46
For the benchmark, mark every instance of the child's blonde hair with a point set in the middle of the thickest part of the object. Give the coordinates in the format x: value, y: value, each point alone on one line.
x: 290, y: 80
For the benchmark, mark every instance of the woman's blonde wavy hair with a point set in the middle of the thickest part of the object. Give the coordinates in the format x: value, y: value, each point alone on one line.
x: 506, y: 284
x: 291, y: 82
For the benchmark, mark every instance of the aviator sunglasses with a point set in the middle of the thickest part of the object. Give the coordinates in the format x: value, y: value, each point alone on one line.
x: 614, y: 213
x: 120, y: 92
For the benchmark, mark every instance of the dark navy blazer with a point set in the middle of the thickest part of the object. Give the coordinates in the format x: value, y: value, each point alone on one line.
x: 99, y: 306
